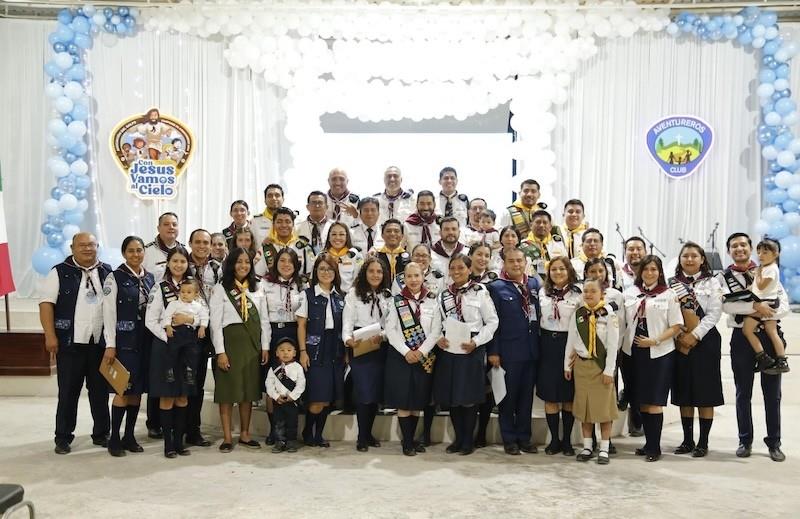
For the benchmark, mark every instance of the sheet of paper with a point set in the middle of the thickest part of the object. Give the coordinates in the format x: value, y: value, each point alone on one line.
x: 367, y: 332
x: 457, y: 333
x: 497, y: 379
x: 346, y: 371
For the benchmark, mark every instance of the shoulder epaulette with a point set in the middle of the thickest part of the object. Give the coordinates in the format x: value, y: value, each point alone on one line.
x: 492, y: 275
x: 437, y: 274
x: 463, y: 198
x: 353, y: 198
x: 301, y: 242
x: 431, y: 295
x: 407, y: 194
x: 557, y: 237
x: 477, y: 287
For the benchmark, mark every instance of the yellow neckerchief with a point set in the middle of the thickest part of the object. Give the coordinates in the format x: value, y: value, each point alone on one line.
x: 391, y: 255
x: 542, y: 244
x: 584, y: 258
x: 593, y: 326
x: 267, y: 214
x: 273, y: 236
x: 243, y: 298
x: 570, y: 237
x: 527, y: 211
x: 338, y: 253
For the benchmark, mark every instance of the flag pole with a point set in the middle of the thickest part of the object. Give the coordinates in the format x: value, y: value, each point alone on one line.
x: 8, y: 313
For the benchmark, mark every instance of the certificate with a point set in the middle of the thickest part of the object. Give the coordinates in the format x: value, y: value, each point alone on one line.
x: 497, y: 379
x: 457, y: 333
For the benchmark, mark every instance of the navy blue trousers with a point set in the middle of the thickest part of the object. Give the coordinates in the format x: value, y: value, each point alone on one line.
x: 516, y: 407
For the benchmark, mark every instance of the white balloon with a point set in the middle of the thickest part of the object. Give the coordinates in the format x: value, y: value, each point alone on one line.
x: 69, y: 231
x: 79, y: 167
x: 77, y: 128
x: 50, y: 207
x: 73, y: 90
x: 63, y: 60
x: 53, y: 90
x: 67, y: 202
x: 769, y: 152
x: 785, y: 158
x: 56, y: 127
x: 784, y: 179
x: 771, y: 214
x: 64, y: 104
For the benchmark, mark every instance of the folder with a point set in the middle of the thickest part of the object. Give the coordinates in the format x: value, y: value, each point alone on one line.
x: 117, y: 375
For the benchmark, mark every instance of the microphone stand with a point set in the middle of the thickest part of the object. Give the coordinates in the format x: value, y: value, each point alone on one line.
x: 713, y: 238
x: 622, y: 240
x: 651, y: 244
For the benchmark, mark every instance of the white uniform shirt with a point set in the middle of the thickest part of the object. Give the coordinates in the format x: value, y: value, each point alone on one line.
x: 349, y: 266
x: 295, y: 372
x: 302, y: 310
x: 708, y: 293
x: 477, y: 310
x: 110, y: 307
x: 434, y: 282
x: 555, y: 248
x: 401, y: 208
x: 155, y: 259
x: 261, y: 227
x: 358, y: 314
x: 358, y: 235
x: 734, y: 308
x: 566, y: 307
x: 305, y: 229
x: 224, y: 313
x: 282, y: 301
x: 87, y: 323
x: 209, y: 274
x: 577, y: 240
x: 628, y: 276
x: 430, y: 318
x: 442, y: 263
x: 155, y: 311
x: 470, y: 235
x: 578, y: 264
x: 607, y: 331
x: 413, y: 234
x: 344, y: 217
x: 661, y: 312
x: 459, y: 205
x: 196, y: 309
x: 612, y: 295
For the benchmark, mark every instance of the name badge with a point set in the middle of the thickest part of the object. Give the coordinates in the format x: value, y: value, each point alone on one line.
x: 91, y: 297
x: 531, y: 313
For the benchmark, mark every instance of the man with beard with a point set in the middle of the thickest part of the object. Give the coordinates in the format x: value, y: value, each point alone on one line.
x: 341, y: 202
x: 395, y: 202
x: 542, y: 245
x: 472, y: 231
x: 634, y: 252
x: 451, y: 202
x: 315, y: 228
x: 262, y: 223
x: 421, y: 226
x: 520, y: 213
x: 153, y: 131
x: 366, y: 233
x: 447, y: 247
x: 573, y: 227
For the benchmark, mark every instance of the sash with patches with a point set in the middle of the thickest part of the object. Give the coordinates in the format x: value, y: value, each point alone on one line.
x: 519, y: 220
x: 413, y: 334
x: 169, y: 292
x: 582, y: 315
x: 738, y: 292
x: 253, y: 323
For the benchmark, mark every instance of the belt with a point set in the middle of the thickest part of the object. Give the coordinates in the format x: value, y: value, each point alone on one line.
x: 554, y: 334
x: 283, y: 325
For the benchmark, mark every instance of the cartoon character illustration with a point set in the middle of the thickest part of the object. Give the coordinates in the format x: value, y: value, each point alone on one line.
x: 154, y: 130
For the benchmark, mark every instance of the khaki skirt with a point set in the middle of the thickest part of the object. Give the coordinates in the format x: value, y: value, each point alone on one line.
x: 594, y: 402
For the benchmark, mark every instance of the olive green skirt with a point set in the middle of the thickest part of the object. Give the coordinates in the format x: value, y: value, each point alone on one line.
x: 242, y: 382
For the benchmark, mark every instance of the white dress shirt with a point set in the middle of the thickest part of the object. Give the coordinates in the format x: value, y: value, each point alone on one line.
x: 459, y: 204
x: 430, y: 319
x: 572, y: 300
x: 87, y: 323
x: 110, y: 307
x: 477, y: 311
x: 358, y: 314
x: 402, y: 207
x: 661, y: 312
x: 349, y: 265
x: 708, y: 293
x: 358, y: 235
x: 223, y: 313
x: 305, y: 229
x: 295, y: 372
x: 413, y: 234
x: 155, y: 259
x: 280, y: 307
x: 302, y: 310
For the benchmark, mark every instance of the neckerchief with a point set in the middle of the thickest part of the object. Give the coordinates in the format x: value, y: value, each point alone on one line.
x: 628, y: 270
x: 392, y: 199
x: 316, y: 235
x: 242, y: 289
x: 160, y: 244
x: 648, y: 293
x: 448, y: 206
x: 273, y: 236
x: 375, y: 304
x: 745, y: 271
x: 267, y: 214
x: 571, y: 238
x: 199, y: 274
x: 418, y: 220
x: 391, y: 255
x: 338, y: 253
x: 143, y: 291
x: 439, y: 249
x: 455, y: 295
x: 286, y: 291
x: 337, y: 210
x: 408, y: 296
x: 527, y: 211
x: 522, y: 286
x: 557, y: 296
x: 586, y: 315
x: 541, y: 244
x: 88, y: 271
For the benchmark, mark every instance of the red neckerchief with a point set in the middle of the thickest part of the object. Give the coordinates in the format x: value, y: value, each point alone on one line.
x: 408, y: 296
x: 439, y: 249
x: 737, y: 268
x: 285, y: 285
x: 418, y: 220
x: 695, y: 278
x: 523, y: 289
x: 648, y: 293
x: 337, y: 210
x: 628, y: 270
x: 557, y: 296
x: 457, y: 294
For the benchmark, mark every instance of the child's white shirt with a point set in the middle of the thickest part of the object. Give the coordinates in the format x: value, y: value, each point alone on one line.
x: 196, y: 309
x: 772, y: 273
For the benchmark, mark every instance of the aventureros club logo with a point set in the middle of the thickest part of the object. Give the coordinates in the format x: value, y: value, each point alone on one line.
x: 679, y: 144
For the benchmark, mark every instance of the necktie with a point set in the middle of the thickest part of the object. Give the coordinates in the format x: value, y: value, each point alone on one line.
x: 370, y: 239
x: 448, y: 207
x: 314, y: 235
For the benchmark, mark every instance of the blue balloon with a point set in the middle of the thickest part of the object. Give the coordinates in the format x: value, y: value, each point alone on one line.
x: 790, y: 205
x: 771, y: 46
x: 786, y: 92
x: 774, y: 197
x: 64, y: 16
x: 79, y: 193
x: 790, y: 252
x: 47, y: 228
x: 785, y: 106
x: 83, y: 41
x: 55, y: 194
x: 82, y: 182
x: 79, y: 149
x: 53, y: 38
x: 109, y: 27
x: 768, y: 18
x: 57, y: 221
x: 77, y: 72
x: 73, y: 217
x: 67, y: 118
x: 55, y: 239
x: 782, y: 71
x: 778, y: 230
x: 51, y: 69
x: 783, y: 140
x: 766, y: 76
x: 108, y: 12
x: 76, y: 59
x: 70, y: 158
x: 79, y: 112
x: 65, y: 34
x: 794, y: 293
x: 68, y: 186
x: 124, y: 11
x: 72, y: 49
x: 129, y: 21
x: 745, y: 38
x: 80, y: 24
x: 45, y: 258
x: 59, y: 47
x: 766, y: 136
x: 67, y: 141
x: 774, y: 167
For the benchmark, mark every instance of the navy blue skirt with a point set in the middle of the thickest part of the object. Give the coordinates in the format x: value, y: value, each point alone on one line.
x: 407, y: 386
x: 653, y: 376
x: 698, y: 378
x: 367, y: 371
x: 161, y: 360
x: 551, y: 386
x: 325, y: 375
x: 135, y: 361
x: 459, y: 380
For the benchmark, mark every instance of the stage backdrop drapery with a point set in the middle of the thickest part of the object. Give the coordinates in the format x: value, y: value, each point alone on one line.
x: 238, y: 122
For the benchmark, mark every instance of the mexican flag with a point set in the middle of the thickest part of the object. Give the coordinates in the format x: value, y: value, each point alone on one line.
x: 6, y: 279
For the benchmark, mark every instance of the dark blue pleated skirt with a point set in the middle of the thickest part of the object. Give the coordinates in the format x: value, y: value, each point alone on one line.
x: 551, y: 386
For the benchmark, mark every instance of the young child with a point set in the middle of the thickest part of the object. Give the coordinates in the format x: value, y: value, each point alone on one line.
x: 285, y: 383
x: 181, y: 338
x: 765, y: 288
x: 593, y: 335
x: 489, y: 235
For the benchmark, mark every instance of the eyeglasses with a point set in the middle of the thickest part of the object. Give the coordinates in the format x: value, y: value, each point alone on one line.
x: 328, y: 270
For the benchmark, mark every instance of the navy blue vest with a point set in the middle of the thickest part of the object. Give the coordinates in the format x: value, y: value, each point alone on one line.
x: 69, y: 282
x: 315, y: 325
x: 516, y: 338
x: 130, y: 320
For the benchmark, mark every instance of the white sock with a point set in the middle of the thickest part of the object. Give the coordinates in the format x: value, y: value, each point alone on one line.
x: 604, y: 445
x: 587, y: 444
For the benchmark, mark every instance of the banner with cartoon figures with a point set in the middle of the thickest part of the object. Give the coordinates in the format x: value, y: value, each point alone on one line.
x: 679, y: 144
x: 152, y: 150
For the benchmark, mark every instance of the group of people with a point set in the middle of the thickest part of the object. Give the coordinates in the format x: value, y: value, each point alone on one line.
x: 430, y: 306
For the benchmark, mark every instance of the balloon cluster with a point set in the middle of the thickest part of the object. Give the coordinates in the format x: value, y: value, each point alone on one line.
x: 757, y: 29
x: 66, y: 131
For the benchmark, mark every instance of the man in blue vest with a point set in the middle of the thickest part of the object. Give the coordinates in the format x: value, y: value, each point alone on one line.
x: 515, y: 348
x: 71, y: 313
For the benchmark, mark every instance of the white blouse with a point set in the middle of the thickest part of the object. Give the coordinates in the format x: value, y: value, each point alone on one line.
x: 223, y: 313
x: 155, y: 312
x: 358, y: 314
x: 612, y: 295
x: 434, y: 282
x: 477, y: 310
x: 662, y: 311
x: 275, y: 294
x: 349, y: 266
x: 430, y: 319
x: 572, y: 300
x: 708, y: 293
x: 608, y: 331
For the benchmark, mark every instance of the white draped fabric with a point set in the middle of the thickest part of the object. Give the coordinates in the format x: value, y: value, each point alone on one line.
x: 238, y: 123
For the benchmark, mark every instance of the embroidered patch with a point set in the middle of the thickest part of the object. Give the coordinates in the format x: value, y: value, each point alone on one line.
x: 126, y: 326
x: 63, y: 324
x: 106, y: 289
x: 313, y: 340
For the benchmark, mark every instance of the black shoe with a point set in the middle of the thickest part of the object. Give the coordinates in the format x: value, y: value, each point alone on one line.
x: 250, y: 444
x: 279, y: 447
x: 372, y: 442
x: 197, y: 440
x: 584, y: 455
x: 764, y: 362
x: 700, y: 452
x: 419, y: 447
x: 225, y: 447
x: 652, y: 457
x: 479, y: 443
x: 776, y: 454
x: 155, y: 433
x: 101, y: 442
x: 409, y: 451
x: 424, y: 440
x: 553, y: 448
x: 512, y: 449
x: 308, y: 441
x: 170, y: 377
x: 781, y: 366
x: 602, y: 460
x: 684, y: 448
x: 527, y: 447
x: 622, y: 400
x: 637, y: 432
x: 171, y: 454
x: 612, y: 449
x: 62, y: 447
x: 567, y: 450
x: 466, y: 451
x: 188, y: 377
x: 322, y: 442
x: 453, y: 448
x: 269, y: 440
x: 743, y: 451
x: 131, y: 445
x: 291, y: 446
x: 640, y: 452
x: 184, y: 452
x: 362, y: 447
x: 115, y: 448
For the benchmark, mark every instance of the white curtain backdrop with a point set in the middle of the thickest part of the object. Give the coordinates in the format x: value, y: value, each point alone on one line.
x: 238, y: 123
